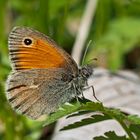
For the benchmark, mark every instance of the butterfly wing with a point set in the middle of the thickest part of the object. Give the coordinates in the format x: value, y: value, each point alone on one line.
x: 41, y: 72
x: 31, y: 49
x: 38, y: 91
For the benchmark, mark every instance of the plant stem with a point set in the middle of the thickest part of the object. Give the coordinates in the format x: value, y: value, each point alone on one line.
x: 84, y: 30
x: 126, y: 130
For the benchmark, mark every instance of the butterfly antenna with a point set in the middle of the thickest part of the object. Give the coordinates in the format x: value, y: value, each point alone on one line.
x: 86, y: 51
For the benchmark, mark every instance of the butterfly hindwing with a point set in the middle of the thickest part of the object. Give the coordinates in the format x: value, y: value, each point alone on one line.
x: 39, y: 92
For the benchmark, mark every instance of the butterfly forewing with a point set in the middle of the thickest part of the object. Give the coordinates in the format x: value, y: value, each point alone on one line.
x: 42, y: 52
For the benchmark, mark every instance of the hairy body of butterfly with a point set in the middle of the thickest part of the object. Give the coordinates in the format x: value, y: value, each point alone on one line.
x: 43, y: 75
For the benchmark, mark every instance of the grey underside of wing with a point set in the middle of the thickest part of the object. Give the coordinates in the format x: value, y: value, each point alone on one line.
x: 38, y: 91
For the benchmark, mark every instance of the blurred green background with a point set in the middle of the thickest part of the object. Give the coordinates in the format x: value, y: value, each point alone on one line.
x: 115, y: 33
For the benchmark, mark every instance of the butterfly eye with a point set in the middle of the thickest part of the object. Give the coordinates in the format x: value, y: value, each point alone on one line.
x: 28, y: 41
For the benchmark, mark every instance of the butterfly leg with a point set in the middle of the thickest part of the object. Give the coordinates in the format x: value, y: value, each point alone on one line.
x: 80, y: 91
x: 75, y: 94
x: 83, y: 97
x: 94, y: 94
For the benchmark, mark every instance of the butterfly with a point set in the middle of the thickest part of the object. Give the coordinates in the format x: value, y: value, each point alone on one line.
x: 43, y: 75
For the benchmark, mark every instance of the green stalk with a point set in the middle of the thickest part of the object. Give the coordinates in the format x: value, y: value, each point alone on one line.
x: 126, y: 129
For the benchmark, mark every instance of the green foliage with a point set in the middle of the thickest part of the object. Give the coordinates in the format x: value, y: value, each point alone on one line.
x: 115, y: 32
x: 63, y: 111
x: 135, y: 128
x: 122, y: 36
x: 100, y: 113
x: 111, y: 136
x: 86, y: 121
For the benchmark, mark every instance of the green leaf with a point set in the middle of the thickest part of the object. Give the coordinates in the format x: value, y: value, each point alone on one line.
x: 79, y: 113
x: 111, y: 136
x: 135, y: 129
x: 102, y: 113
x: 85, y: 106
x: 134, y: 118
x: 64, y: 110
x: 86, y: 121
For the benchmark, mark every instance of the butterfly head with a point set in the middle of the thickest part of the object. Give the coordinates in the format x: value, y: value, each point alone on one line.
x: 86, y: 71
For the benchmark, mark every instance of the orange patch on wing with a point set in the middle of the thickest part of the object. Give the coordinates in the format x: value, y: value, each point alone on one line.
x: 41, y: 54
